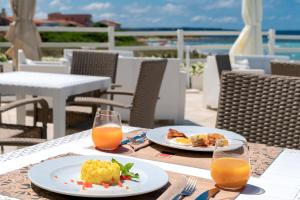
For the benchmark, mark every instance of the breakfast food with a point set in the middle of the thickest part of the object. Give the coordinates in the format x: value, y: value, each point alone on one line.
x: 174, y: 134
x: 97, y: 172
x: 213, y: 137
x: 106, y: 173
x: 200, y: 140
x: 181, y: 141
x: 197, y: 140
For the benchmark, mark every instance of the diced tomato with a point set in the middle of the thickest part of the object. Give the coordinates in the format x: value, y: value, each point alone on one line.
x: 105, y: 185
x: 120, y: 184
x: 87, y: 185
x: 79, y: 183
x: 125, y: 177
x: 127, y: 187
x: 65, y: 183
x: 56, y: 177
x: 72, y: 180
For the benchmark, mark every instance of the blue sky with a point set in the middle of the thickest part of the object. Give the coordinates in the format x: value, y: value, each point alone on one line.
x: 279, y: 14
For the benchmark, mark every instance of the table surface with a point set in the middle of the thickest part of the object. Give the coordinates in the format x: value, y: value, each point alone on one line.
x: 79, y: 143
x: 46, y: 80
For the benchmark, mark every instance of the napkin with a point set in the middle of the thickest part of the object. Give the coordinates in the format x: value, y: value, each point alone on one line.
x: 139, y: 146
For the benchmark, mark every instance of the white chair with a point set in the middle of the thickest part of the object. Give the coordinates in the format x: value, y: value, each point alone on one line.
x: 62, y: 66
x: 211, y: 81
x: 261, y: 61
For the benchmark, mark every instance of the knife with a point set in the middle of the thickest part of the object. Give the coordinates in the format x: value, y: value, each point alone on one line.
x: 208, y: 194
x: 141, y: 135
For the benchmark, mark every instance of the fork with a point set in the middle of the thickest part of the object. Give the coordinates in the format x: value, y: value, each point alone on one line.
x: 188, y: 189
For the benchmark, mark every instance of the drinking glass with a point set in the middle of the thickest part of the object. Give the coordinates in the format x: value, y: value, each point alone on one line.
x: 230, y: 168
x: 107, y: 130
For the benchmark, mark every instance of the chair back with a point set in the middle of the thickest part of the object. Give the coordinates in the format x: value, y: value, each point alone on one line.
x: 95, y: 64
x: 223, y: 63
x: 285, y: 68
x: 146, y: 93
x: 263, y: 108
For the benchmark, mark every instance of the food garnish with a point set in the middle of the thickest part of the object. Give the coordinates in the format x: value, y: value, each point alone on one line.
x: 125, y: 171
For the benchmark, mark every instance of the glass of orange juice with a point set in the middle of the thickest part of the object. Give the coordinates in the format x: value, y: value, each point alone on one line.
x: 107, y: 130
x: 230, y: 168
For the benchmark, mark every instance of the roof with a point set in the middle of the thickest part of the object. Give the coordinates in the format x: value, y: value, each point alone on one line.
x: 104, y: 21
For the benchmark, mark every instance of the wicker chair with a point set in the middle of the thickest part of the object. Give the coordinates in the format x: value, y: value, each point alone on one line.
x: 223, y: 64
x: 95, y: 64
x: 285, y: 68
x: 263, y: 108
x: 21, y: 135
x: 90, y: 63
x: 145, y: 97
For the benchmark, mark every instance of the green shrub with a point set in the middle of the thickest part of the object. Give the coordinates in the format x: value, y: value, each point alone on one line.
x: 3, y: 57
x: 197, y: 68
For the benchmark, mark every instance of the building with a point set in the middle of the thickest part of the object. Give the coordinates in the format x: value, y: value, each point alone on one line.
x: 111, y: 23
x: 82, y: 19
x: 4, y: 21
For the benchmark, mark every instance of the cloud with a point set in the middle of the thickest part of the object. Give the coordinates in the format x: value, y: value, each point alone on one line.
x: 172, y: 8
x: 107, y: 16
x: 154, y: 20
x: 222, y: 4
x: 41, y: 15
x: 138, y: 9
x: 97, y: 6
x: 61, y: 6
x: 207, y: 19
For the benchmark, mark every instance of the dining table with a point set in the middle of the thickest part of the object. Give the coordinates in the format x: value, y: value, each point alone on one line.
x: 275, y: 170
x: 56, y: 86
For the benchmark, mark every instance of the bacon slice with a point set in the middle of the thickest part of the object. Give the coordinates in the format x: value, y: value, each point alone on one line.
x: 174, y: 133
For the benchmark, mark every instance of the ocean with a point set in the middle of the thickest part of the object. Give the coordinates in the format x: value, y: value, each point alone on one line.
x: 229, y: 40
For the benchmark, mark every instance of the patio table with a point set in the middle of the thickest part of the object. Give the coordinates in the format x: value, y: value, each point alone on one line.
x: 280, y: 181
x: 57, y: 86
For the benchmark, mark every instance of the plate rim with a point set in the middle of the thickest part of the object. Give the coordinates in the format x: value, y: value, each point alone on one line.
x: 162, y: 143
x: 90, y: 195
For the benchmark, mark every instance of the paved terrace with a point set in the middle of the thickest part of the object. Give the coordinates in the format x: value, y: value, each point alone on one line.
x: 195, y: 114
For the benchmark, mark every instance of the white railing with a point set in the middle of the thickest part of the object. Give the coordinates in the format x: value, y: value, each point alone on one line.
x: 179, y: 36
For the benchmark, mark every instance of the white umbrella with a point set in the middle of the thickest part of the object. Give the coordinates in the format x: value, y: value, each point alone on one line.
x: 22, y: 32
x: 250, y: 41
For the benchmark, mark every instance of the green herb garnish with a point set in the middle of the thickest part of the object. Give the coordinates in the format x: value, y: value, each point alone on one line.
x: 125, y: 170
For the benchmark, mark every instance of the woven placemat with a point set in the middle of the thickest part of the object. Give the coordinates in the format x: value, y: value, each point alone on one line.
x: 261, y: 156
x: 16, y: 184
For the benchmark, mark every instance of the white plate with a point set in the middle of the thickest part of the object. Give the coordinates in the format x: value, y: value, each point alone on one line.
x: 159, y: 136
x: 44, y: 176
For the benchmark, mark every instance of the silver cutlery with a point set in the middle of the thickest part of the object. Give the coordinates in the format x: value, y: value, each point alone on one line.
x: 207, y: 195
x: 188, y: 189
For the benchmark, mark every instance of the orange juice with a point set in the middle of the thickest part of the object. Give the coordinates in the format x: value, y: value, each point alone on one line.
x: 107, y: 138
x: 230, y: 173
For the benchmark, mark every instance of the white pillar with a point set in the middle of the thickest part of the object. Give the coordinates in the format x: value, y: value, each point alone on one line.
x: 111, y: 38
x: 180, y: 44
x: 272, y: 41
x: 187, y: 65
